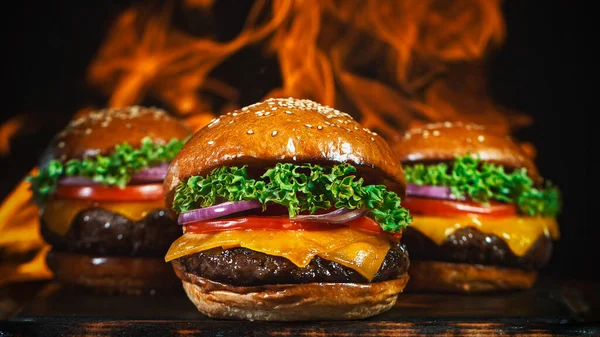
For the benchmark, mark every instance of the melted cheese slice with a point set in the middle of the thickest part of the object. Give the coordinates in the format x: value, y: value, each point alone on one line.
x: 58, y: 214
x: 356, y: 249
x: 520, y: 233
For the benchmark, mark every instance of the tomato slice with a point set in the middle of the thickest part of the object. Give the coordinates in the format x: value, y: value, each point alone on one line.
x: 278, y: 223
x: 255, y: 222
x: 100, y: 193
x: 439, y: 207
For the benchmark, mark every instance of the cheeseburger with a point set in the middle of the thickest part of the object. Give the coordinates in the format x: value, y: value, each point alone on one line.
x: 102, y: 208
x: 291, y: 211
x: 484, y: 219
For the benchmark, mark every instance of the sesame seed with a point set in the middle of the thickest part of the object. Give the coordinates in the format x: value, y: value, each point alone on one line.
x: 267, y: 113
x: 372, y: 139
x: 481, y: 138
x: 245, y: 108
x: 234, y: 114
x: 231, y: 121
x: 250, y: 132
x: 211, y: 142
x: 88, y: 131
x: 274, y: 133
x: 436, y: 133
x: 319, y: 127
x: 288, y: 112
x: 447, y: 124
x: 308, y: 125
x: 61, y: 144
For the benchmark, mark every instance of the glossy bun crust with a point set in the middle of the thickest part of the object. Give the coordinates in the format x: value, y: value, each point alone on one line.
x: 97, y: 132
x: 431, y: 276
x: 442, y: 141
x: 292, y: 302
x: 285, y: 130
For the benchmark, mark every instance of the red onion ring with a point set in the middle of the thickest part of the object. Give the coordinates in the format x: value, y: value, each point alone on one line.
x: 428, y: 191
x: 216, y: 211
x: 148, y: 175
x: 78, y: 181
x: 151, y: 174
x: 340, y: 215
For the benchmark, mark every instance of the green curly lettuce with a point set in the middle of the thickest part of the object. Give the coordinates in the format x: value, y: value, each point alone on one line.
x: 483, y: 181
x: 300, y: 188
x: 114, y: 169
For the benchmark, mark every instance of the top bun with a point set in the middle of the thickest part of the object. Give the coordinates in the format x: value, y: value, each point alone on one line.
x: 443, y: 141
x: 97, y: 132
x: 285, y: 130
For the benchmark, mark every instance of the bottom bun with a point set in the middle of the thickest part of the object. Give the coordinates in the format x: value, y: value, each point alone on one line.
x: 433, y: 276
x: 292, y: 302
x: 113, y: 274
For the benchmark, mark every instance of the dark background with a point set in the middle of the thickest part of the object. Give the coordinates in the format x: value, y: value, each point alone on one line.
x: 539, y: 71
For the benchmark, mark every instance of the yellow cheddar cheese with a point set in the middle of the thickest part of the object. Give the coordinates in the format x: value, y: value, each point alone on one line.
x: 520, y: 233
x: 356, y: 249
x: 58, y: 214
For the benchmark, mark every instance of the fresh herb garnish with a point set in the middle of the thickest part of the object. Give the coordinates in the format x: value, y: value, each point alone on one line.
x: 114, y: 169
x: 483, y: 181
x: 299, y: 188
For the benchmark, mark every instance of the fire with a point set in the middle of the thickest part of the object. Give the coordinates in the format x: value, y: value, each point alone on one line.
x: 168, y: 64
x: 20, y: 235
x: 8, y: 130
x: 391, y: 64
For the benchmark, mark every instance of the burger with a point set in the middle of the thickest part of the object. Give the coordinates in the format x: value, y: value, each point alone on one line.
x: 484, y: 219
x: 291, y: 211
x: 99, y: 188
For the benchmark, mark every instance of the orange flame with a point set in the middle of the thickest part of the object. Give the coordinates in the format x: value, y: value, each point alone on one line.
x: 391, y: 64
x: 427, y: 57
x: 8, y: 130
x: 20, y: 235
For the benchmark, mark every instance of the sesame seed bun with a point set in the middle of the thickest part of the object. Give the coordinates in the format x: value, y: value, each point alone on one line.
x: 285, y: 130
x: 97, y: 132
x: 443, y: 141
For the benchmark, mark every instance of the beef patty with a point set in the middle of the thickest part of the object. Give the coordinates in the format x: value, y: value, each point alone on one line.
x: 469, y: 245
x: 245, y: 267
x: 96, y: 231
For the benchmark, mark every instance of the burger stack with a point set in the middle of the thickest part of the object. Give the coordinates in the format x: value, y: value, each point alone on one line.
x: 290, y: 210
